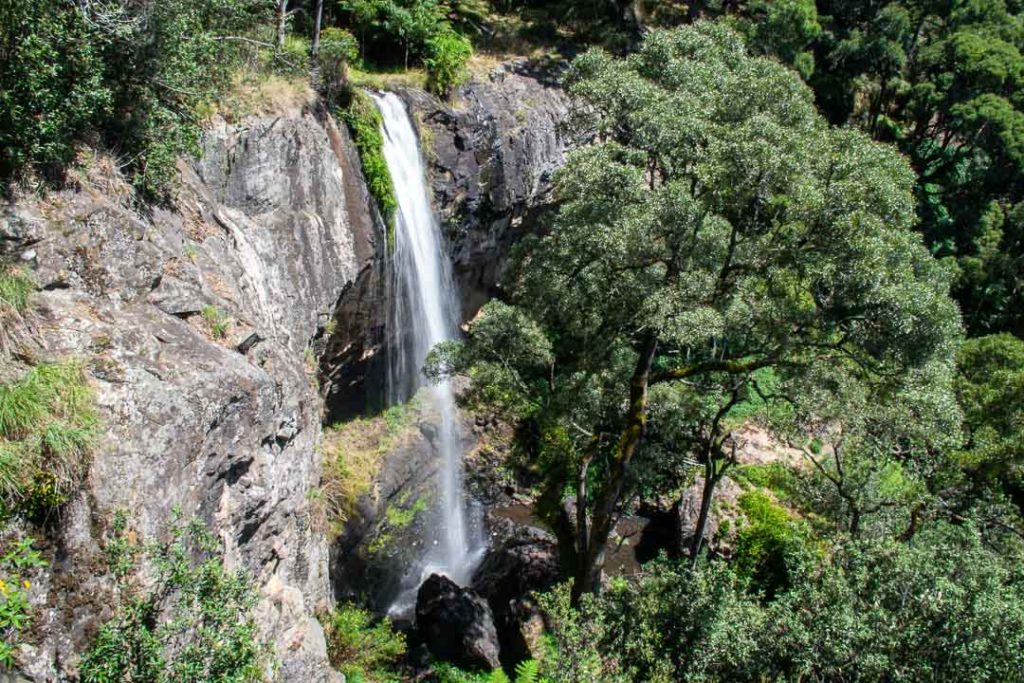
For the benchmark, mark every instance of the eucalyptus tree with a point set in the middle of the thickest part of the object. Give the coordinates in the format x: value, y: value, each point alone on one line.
x: 716, y: 243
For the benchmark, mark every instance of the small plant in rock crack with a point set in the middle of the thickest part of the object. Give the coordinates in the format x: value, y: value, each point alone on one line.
x: 218, y: 322
x: 194, y: 623
x: 16, y: 564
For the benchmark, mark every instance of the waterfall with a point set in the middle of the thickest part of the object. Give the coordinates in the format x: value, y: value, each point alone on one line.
x: 425, y: 311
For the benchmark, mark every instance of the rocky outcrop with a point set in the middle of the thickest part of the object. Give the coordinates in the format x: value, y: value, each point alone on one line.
x: 194, y: 323
x: 456, y: 624
x: 377, y: 558
x: 524, y: 562
x: 491, y: 158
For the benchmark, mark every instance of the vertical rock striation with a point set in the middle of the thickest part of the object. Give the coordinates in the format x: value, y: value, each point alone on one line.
x: 194, y: 322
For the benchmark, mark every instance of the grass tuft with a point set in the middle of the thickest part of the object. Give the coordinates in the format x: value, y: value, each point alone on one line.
x: 16, y: 285
x: 47, y: 429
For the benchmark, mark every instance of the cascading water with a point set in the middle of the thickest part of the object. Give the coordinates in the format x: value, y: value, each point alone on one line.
x: 425, y: 312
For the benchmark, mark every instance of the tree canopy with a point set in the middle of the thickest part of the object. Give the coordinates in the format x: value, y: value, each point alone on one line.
x: 716, y: 228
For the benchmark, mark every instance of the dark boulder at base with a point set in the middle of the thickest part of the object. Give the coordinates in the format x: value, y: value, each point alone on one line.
x: 525, y: 562
x: 456, y: 624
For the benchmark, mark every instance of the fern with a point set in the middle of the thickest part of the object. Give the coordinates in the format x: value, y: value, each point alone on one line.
x: 527, y: 671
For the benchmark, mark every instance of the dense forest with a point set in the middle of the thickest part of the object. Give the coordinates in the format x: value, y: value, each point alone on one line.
x: 802, y: 215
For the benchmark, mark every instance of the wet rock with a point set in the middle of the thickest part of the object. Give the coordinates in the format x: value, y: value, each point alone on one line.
x: 456, y: 624
x: 491, y: 160
x: 525, y: 562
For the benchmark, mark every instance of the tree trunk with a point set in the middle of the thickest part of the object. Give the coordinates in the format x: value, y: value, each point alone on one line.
x: 282, y: 20
x: 706, y: 496
x: 314, y: 50
x: 319, y: 14
x: 588, y: 573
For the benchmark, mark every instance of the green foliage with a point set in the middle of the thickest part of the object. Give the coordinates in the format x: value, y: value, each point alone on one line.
x: 138, y: 73
x: 784, y: 28
x: 766, y: 543
x: 775, y: 477
x: 360, y: 648
x: 398, y: 517
x: 364, y: 122
x: 338, y: 49
x: 989, y: 385
x: 16, y: 565
x: 939, y: 80
x: 940, y: 605
x: 195, y: 623
x: 426, y: 32
x: 16, y: 285
x: 52, y: 85
x: 718, y: 230
x: 527, y: 671
x: 446, y: 57
x: 216, y: 320
x: 47, y: 429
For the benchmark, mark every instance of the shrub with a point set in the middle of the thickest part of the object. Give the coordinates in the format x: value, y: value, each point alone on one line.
x: 47, y: 429
x: 338, y: 49
x: 364, y: 120
x: 766, y: 542
x: 447, y: 55
x: 527, y: 671
x: 138, y: 74
x: 361, y: 649
x: 18, y: 560
x: 51, y: 83
x: 195, y: 623
x: 217, y: 322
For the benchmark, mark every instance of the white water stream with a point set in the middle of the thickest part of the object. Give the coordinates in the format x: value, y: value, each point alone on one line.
x: 425, y: 312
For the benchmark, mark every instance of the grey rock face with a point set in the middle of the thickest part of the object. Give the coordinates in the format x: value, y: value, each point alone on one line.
x: 456, y: 624
x: 491, y: 158
x: 375, y: 558
x: 269, y: 229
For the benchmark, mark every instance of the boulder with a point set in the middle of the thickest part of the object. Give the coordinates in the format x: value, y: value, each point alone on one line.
x: 524, y: 562
x: 456, y: 624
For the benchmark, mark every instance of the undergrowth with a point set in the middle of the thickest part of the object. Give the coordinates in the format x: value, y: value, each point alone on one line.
x: 766, y: 542
x: 194, y: 623
x: 527, y: 671
x: 366, y: 651
x: 16, y: 564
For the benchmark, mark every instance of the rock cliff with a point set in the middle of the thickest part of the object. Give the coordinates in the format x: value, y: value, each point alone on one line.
x: 491, y: 157
x: 219, y: 330
x: 194, y: 322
